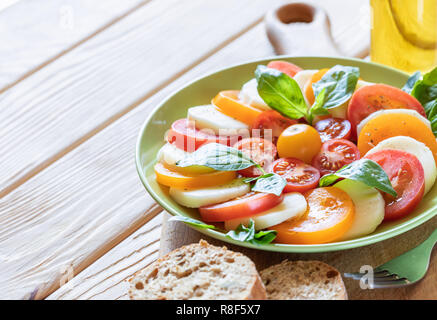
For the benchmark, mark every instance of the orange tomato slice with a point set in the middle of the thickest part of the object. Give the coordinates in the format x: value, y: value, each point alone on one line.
x: 227, y: 102
x: 182, y: 181
x: 385, y: 126
x: 309, y: 93
x: 330, y: 214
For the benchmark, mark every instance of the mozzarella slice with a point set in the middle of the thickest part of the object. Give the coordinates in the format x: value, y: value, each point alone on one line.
x: 249, y: 94
x: 208, y: 117
x: 212, y: 195
x: 169, y: 155
x: 391, y: 111
x: 369, y: 208
x: 293, y: 206
x: 420, y: 150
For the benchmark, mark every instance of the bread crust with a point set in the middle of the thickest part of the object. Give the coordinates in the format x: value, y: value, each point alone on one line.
x: 143, y: 284
x: 303, y: 280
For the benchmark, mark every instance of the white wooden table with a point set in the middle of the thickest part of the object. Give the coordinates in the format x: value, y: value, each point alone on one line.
x: 77, y: 80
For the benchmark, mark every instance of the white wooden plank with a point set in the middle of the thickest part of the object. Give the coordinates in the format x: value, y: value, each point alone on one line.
x: 256, y: 46
x: 54, y: 110
x: 82, y: 205
x: 34, y: 32
x: 106, y: 278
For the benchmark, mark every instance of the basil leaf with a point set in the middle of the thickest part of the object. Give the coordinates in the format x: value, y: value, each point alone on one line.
x: 192, y: 222
x: 248, y: 234
x: 318, y: 106
x: 408, y: 87
x: 265, y: 237
x: 340, y: 83
x: 248, y: 180
x: 281, y: 92
x: 363, y: 170
x: 431, y: 109
x: 218, y: 157
x: 270, y: 183
x: 425, y: 90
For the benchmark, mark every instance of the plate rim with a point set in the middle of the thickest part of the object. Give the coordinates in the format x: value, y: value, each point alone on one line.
x: 275, y: 247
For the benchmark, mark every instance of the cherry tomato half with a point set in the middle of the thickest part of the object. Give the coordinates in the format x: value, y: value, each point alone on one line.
x: 285, y: 67
x: 184, y: 135
x: 259, y: 150
x: 369, y: 99
x: 333, y: 128
x: 300, y: 176
x: 244, y: 206
x: 407, y: 178
x: 335, y: 154
x: 272, y: 120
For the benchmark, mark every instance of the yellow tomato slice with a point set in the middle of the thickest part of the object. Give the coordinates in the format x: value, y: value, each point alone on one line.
x: 387, y: 125
x: 177, y: 180
x: 299, y: 141
x: 227, y: 102
x: 309, y: 93
x: 330, y: 214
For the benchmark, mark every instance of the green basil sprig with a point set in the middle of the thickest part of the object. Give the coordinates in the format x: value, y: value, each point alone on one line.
x: 424, y: 89
x: 282, y: 93
x: 248, y: 234
x: 223, y: 158
x: 242, y: 233
x: 363, y: 170
x: 340, y: 83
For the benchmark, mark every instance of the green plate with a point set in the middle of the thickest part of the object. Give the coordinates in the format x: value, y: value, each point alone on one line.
x: 202, y: 90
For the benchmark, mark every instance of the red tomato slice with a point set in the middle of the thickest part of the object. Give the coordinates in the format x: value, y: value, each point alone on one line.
x: 272, y: 120
x: 184, y: 135
x: 369, y: 99
x: 259, y: 150
x: 335, y: 154
x: 333, y: 128
x: 300, y: 176
x: 285, y: 67
x: 245, y: 206
x: 407, y: 178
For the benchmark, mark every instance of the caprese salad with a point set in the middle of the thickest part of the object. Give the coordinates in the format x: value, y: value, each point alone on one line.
x: 304, y: 156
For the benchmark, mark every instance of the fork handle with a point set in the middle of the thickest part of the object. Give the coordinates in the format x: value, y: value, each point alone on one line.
x: 431, y: 241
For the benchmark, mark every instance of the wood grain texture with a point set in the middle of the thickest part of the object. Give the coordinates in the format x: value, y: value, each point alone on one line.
x: 176, y: 234
x: 113, y: 147
x: 82, y: 205
x: 53, y: 111
x: 106, y: 278
x: 35, y: 32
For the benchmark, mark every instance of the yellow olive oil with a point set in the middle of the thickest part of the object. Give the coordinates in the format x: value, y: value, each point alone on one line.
x: 404, y: 34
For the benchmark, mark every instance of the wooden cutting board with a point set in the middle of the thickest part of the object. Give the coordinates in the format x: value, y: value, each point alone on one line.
x: 176, y: 234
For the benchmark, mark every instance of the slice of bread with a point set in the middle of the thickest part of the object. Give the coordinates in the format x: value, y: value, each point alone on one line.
x: 198, y: 271
x: 303, y: 280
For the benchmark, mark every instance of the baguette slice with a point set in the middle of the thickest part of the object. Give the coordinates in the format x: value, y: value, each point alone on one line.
x: 198, y: 271
x: 303, y: 280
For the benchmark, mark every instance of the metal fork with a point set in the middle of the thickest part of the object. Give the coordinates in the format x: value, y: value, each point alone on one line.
x: 404, y: 270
